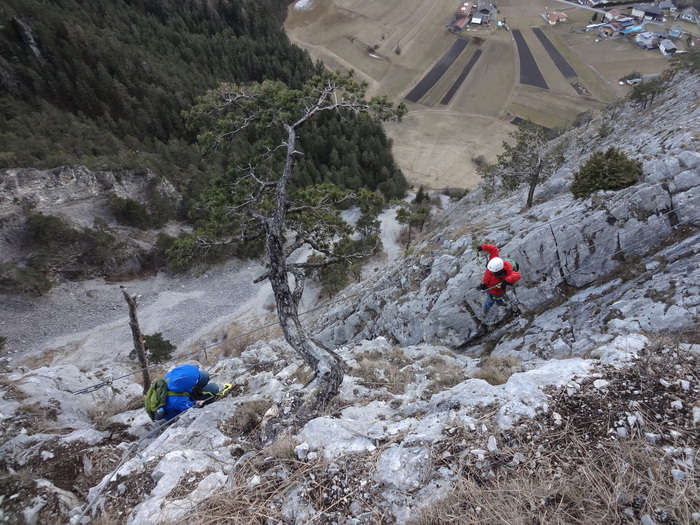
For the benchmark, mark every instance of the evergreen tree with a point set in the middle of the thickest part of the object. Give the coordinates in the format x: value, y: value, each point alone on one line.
x: 531, y: 159
x: 609, y: 170
x: 257, y: 200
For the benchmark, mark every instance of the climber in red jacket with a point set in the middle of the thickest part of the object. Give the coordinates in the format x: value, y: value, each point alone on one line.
x: 498, y: 275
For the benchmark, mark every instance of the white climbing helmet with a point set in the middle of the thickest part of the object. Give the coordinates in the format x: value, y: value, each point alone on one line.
x: 495, y: 265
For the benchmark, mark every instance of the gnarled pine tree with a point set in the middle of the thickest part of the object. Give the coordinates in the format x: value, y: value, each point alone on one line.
x: 530, y: 160
x: 258, y: 199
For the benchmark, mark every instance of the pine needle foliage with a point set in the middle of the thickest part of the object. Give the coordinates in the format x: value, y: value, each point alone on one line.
x: 609, y: 170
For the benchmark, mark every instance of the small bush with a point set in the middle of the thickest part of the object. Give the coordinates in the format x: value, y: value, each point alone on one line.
x: 612, y: 170
x: 161, y: 209
x: 604, y: 130
x: 16, y: 279
x: 44, y: 230
x: 158, y: 349
x: 583, y: 119
x: 246, y: 417
x: 496, y: 370
x: 58, y: 248
x: 130, y: 212
x: 454, y: 194
x: 97, y: 245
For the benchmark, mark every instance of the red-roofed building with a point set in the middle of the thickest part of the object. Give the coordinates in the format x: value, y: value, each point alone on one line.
x: 554, y: 18
x: 460, y: 23
x: 613, y: 14
x: 465, y: 8
x: 462, y: 17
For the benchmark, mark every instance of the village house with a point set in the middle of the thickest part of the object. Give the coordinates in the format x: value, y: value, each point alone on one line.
x: 462, y: 17
x: 613, y: 14
x: 647, y: 12
x: 621, y: 24
x: 607, y: 30
x: 675, y: 31
x: 646, y: 40
x: 555, y: 18
x: 690, y: 14
x: 668, y: 5
x: 465, y: 9
x: 487, y: 10
x: 667, y: 47
x: 460, y: 23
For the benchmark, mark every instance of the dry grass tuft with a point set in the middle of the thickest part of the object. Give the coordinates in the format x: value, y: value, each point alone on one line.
x: 282, y: 449
x: 100, y: 414
x: 575, y: 485
x: 302, y: 375
x: 10, y: 389
x: 390, y: 370
x: 270, y: 490
x: 595, y: 457
x: 246, y: 417
x: 443, y: 374
x: 496, y: 370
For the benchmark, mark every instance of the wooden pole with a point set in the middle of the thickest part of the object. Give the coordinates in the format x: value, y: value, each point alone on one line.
x: 138, y: 340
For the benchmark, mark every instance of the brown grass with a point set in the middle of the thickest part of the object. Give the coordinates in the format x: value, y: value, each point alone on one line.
x: 384, y: 370
x: 580, y: 485
x: 569, y: 466
x: 496, y: 370
x: 11, y: 390
x: 100, y: 414
x: 310, y: 484
x: 282, y: 449
x: 442, y: 373
x: 246, y: 417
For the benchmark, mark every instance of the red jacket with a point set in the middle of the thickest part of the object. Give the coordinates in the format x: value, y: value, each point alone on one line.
x: 491, y: 279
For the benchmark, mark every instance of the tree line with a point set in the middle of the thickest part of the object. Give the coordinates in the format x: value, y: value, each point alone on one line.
x: 109, y: 85
x: 104, y: 84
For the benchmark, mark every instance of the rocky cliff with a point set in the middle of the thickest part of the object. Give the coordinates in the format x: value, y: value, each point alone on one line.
x: 594, y: 268
x: 79, y: 197
x: 581, y: 408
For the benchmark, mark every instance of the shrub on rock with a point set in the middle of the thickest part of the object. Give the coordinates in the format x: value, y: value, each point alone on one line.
x: 609, y: 170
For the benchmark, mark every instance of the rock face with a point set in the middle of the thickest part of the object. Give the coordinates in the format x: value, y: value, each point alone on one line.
x: 581, y: 408
x: 74, y: 191
x: 78, y: 196
x: 591, y: 268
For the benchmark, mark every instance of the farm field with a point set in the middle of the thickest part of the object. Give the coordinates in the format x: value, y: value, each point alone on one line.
x: 394, y: 44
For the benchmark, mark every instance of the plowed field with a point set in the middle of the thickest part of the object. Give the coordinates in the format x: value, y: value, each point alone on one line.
x: 394, y: 44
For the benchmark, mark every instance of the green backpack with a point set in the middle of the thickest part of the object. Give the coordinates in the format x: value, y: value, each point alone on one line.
x: 157, y: 395
x: 513, y: 264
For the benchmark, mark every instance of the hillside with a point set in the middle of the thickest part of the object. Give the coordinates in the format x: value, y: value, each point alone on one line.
x: 583, y: 409
x: 108, y: 81
x: 474, y: 94
x: 110, y: 86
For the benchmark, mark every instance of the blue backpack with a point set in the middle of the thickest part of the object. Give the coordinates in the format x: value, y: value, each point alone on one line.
x: 182, y: 378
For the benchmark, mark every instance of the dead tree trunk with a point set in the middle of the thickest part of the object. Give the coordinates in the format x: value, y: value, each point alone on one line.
x: 138, y: 340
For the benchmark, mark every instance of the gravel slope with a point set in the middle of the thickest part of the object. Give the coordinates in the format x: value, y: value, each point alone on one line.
x: 83, y: 322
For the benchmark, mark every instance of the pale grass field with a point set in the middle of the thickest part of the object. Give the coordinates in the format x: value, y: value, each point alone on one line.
x: 435, y: 143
